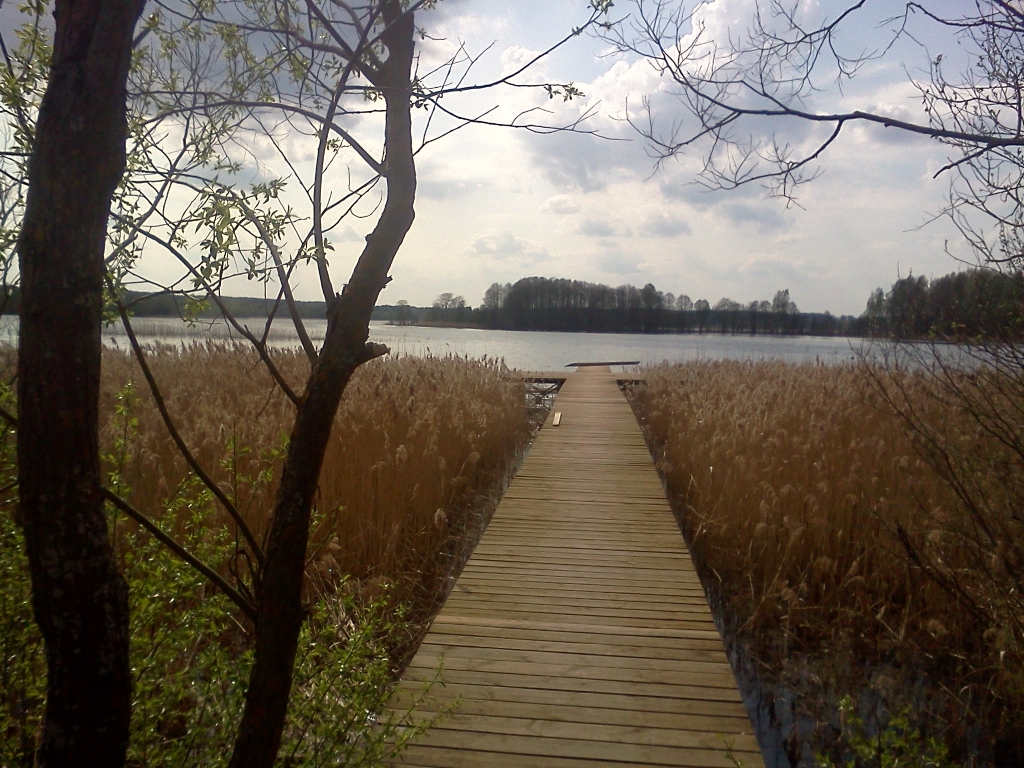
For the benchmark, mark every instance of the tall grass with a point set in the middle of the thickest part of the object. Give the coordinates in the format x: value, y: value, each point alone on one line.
x: 418, y: 444
x: 792, y: 483
x: 419, y: 450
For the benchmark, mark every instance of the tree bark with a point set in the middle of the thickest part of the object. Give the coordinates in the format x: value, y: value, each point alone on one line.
x: 78, y: 596
x: 280, y: 610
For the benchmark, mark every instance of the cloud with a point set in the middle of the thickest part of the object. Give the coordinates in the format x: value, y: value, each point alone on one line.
x: 765, y: 217
x: 515, y: 57
x: 571, y: 162
x: 689, y: 192
x: 774, y: 270
x: 561, y: 205
x: 597, y: 228
x: 616, y: 263
x: 505, y: 245
x: 447, y: 189
x: 347, y: 235
x: 745, y: 205
x: 665, y: 225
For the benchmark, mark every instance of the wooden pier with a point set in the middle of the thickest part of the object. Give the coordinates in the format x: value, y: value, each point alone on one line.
x: 578, y: 633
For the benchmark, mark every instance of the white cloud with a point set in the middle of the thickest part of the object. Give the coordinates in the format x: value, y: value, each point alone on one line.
x: 561, y: 205
x: 346, y: 235
x: 765, y: 217
x: 515, y: 57
x: 665, y: 225
x: 600, y: 228
x: 447, y: 189
x: 505, y: 245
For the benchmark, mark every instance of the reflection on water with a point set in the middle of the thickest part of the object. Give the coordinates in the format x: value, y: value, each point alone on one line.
x: 526, y: 350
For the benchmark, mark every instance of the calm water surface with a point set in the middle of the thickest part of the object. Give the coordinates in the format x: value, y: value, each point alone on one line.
x: 533, y: 350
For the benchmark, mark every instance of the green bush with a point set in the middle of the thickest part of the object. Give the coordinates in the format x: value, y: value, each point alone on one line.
x: 22, y: 659
x: 896, y: 745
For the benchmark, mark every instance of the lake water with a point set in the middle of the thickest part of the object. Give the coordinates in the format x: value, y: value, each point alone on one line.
x: 525, y: 350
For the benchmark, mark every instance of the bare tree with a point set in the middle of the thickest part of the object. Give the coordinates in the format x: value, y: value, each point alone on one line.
x: 448, y: 301
x: 78, y: 596
x: 225, y: 84
x: 743, y: 93
x: 210, y: 80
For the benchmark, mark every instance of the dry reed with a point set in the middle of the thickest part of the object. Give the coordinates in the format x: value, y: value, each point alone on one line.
x: 418, y: 445
x: 791, y: 483
x: 418, y: 454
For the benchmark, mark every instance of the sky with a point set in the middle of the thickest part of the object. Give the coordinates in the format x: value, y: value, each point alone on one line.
x: 497, y: 204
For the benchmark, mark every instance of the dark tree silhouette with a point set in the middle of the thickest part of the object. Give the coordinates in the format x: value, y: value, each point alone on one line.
x: 79, y: 598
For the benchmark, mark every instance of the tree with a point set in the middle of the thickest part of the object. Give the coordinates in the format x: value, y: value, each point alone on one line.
x: 876, y: 311
x: 219, y: 79
x: 738, y: 90
x: 208, y: 78
x: 782, y: 304
x: 78, y: 596
x: 404, y: 314
x: 702, y: 309
x: 652, y: 300
x: 496, y: 296
x: 448, y: 301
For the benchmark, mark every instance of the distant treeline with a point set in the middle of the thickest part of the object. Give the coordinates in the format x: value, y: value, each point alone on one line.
x: 973, y: 304
x: 545, y: 304
x: 176, y: 305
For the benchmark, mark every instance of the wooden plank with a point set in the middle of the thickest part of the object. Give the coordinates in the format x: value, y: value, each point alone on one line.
x: 575, y: 633
x: 704, y: 671
x: 530, y: 725
x: 651, y: 634
x: 703, y: 688
x: 680, y: 708
x: 578, y: 633
x: 630, y: 718
x: 691, y: 650
x: 554, y: 591
x: 616, y: 618
x: 567, y: 749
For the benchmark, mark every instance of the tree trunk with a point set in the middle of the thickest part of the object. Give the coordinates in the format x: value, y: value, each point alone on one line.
x: 280, y: 610
x: 79, y: 598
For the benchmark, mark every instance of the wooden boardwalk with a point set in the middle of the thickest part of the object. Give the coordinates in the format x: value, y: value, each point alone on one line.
x: 578, y: 633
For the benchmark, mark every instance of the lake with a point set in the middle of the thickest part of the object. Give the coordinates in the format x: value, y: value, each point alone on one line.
x: 525, y: 350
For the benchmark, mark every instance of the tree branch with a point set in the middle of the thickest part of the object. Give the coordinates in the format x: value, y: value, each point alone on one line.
x: 178, y: 441
x: 215, y: 578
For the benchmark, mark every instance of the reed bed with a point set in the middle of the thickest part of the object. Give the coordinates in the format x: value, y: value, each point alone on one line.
x: 418, y: 448
x: 793, y: 484
x: 420, y: 451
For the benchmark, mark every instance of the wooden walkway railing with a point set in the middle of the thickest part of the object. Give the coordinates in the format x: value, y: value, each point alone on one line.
x: 578, y: 633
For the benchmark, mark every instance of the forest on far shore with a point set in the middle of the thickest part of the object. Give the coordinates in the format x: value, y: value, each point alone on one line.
x: 971, y: 304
